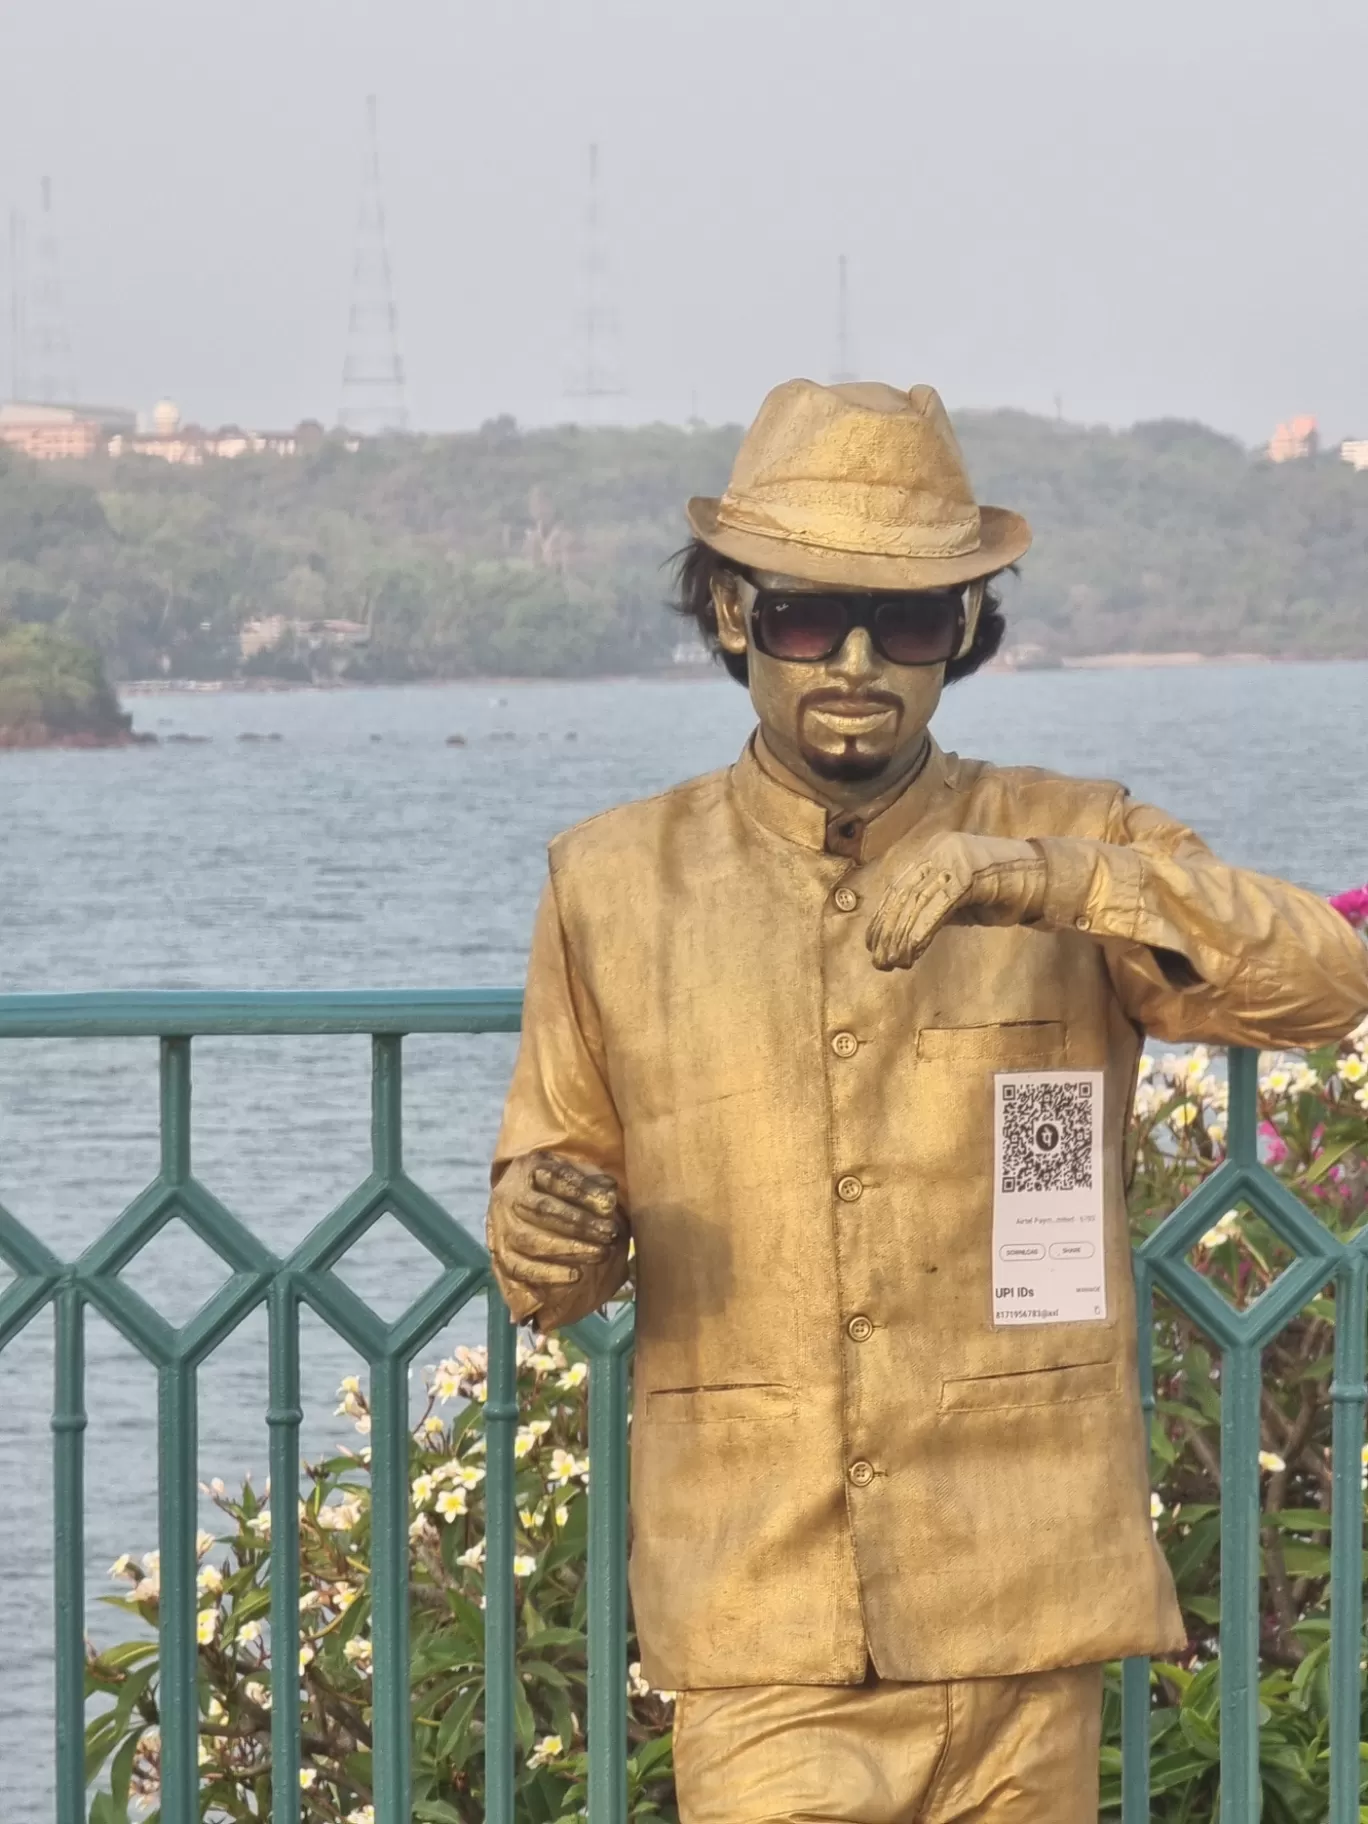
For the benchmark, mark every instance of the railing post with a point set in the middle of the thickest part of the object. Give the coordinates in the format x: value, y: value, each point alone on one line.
x: 1241, y: 1369
x: 392, y: 1708
x: 1347, y: 1392
x: 283, y: 1417
x: 501, y: 1420
x: 178, y: 1489
x: 1135, y: 1673
x: 178, y: 1648
x: 389, y: 1590
x: 68, y: 1451
x: 608, y: 1586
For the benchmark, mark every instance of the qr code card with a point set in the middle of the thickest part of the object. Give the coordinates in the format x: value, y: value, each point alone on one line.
x: 1049, y: 1263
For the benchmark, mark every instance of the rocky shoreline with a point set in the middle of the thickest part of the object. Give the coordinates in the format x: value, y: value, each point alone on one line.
x: 33, y: 737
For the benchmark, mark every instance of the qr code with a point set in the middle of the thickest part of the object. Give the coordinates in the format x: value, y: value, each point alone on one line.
x: 1047, y: 1136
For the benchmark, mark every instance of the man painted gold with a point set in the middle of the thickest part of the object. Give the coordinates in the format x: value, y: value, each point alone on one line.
x: 881, y: 1543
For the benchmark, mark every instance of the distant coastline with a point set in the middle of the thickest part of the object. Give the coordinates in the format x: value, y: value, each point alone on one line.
x: 692, y: 674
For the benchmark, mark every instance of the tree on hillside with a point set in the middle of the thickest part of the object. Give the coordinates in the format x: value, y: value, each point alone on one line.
x: 546, y: 551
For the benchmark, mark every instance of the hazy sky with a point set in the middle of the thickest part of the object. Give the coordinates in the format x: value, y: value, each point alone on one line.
x: 1141, y: 208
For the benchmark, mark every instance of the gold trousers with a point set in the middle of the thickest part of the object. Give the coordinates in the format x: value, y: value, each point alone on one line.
x: 1018, y: 1750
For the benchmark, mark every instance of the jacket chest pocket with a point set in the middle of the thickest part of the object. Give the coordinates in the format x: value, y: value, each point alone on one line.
x: 1012, y: 1045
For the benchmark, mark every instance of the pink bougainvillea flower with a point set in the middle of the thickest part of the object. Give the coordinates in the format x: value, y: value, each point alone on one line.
x: 1275, y: 1147
x: 1353, y: 904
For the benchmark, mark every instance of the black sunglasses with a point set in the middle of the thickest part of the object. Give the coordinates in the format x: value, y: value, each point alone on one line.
x: 919, y: 627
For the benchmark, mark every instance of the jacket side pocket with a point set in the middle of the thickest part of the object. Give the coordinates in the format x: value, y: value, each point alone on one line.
x: 715, y: 1405
x: 1039, y: 1387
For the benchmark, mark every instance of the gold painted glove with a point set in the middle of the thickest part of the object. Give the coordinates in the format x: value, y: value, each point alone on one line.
x: 550, y: 1226
x: 956, y: 878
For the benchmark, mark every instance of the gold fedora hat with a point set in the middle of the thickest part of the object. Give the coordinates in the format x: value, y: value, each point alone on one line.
x: 861, y: 486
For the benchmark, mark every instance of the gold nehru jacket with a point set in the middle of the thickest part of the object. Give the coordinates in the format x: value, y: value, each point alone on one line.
x: 834, y: 1454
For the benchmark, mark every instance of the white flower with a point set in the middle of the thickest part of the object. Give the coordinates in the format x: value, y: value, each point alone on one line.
x: 432, y: 1425
x: 260, y: 1524
x: 1156, y: 1508
x: 1276, y: 1083
x: 1361, y: 1096
x: 340, y: 1517
x: 451, y: 1502
x: 365, y: 1814
x: 480, y: 1392
x: 1228, y: 1225
x: 306, y: 1655
x: 307, y: 1776
x: 546, y: 1750
x: 473, y: 1558
x: 358, y: 1651
x: 348, y: 1384
x: 249, y: 1632
x: 1144, y: 1065
x: 210, y: 1580
x: 524, y: 1441
x: 124, y: 1567
x: 310, y: 1600
x: 350, y: 1403
x: 1272, y: 1462
x: 469, y: 1475
x: 523, y: 1566
x: 421, y: 1492
x: 258, y: 1694
x: 203, y: 1543
x: 419, y: 1527
x: 446, y: 1383
x: 206, y: 1626
x: 562, y: 1512
x: 636, y: 1684
x: 1304, y: 1079
x: 1352, y: 1070
x: 343, y: 1596
x: 565, y: 1467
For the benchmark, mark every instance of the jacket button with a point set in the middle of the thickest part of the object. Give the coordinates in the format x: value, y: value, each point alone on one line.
x: 860, y: 1329
x: 862, y: 1473
x: 1083, y: 922
x: 849, y: 1189
x: 845, y: 1044
x: 845, y: 899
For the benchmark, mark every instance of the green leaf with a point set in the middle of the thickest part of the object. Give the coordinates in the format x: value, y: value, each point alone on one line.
x: 454, y: 1736
x: 1330, y: 1157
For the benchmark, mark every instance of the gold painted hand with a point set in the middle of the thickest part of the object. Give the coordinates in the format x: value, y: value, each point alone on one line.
x: 549, y: 1222
x: 955, y: 878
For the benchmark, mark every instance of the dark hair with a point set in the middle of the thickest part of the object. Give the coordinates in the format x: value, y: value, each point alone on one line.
x: 697, y: 566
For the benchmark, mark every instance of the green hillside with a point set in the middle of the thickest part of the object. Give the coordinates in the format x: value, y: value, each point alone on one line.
x: 541, y: 552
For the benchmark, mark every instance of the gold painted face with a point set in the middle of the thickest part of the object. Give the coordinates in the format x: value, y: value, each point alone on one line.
x: 850, y: 726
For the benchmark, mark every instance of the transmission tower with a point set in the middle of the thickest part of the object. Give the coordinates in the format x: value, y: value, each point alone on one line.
x: 597, y: 378
x: 843, y: 371
x: 373, y: 398
x: 53, y: 379
x: 18, y: 312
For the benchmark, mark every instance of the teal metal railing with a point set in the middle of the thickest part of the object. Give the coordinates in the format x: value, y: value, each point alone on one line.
x: 306, y: 1277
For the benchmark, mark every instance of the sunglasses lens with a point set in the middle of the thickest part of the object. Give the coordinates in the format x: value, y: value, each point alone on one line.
x: 919, y: 630
x: 802, y: 626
